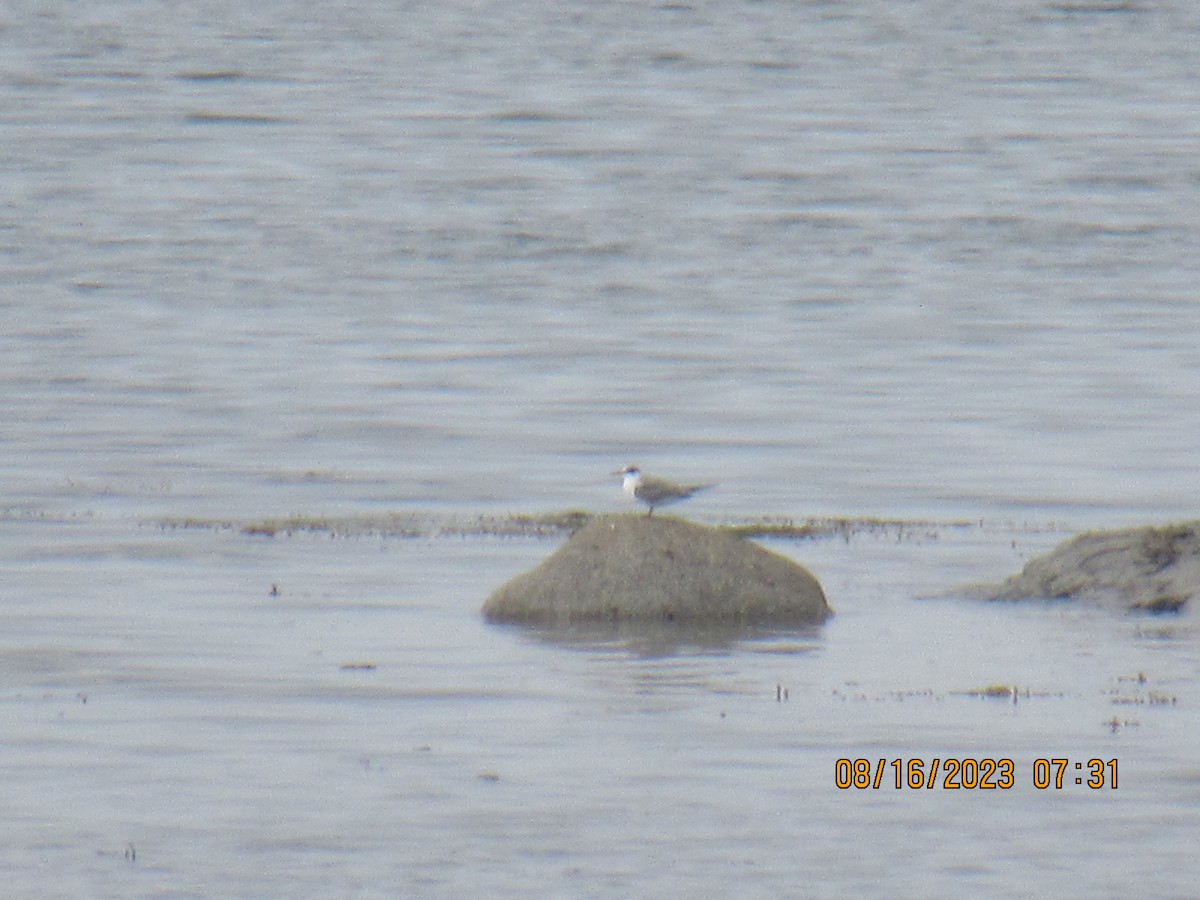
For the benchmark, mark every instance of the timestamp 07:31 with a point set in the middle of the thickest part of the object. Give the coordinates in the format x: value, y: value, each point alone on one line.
x: 965, y: 773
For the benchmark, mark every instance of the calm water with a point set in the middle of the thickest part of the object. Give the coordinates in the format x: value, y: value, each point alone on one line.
x: 922, y: 261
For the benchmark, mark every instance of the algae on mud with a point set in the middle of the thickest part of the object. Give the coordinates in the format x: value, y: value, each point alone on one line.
x: 1150, y: 569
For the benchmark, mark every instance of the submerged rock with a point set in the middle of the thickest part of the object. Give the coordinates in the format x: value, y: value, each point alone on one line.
x: 1152, y: 569
x: 660, y: 569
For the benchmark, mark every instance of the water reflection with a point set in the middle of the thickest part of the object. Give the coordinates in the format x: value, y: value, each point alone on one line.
x: 656, y: 640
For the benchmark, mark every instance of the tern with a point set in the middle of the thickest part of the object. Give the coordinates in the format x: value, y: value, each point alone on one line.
x: 654, y: 491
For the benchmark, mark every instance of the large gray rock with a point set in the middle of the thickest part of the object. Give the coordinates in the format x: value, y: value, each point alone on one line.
x: 660, y: 569
x: 1150, y: 569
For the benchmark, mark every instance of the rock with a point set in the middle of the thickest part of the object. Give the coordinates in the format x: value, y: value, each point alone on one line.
x: 660, y: 569
x: 1147, y: 569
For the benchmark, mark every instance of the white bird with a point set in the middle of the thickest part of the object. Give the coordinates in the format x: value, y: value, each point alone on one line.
x: 654, y: 491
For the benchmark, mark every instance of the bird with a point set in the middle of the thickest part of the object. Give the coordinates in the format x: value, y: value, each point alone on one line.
x: 654, y: 491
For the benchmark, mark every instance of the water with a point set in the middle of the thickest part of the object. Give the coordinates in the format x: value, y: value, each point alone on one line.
x: 922, y: 261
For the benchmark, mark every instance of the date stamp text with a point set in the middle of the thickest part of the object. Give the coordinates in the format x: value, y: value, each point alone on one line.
x: 985, y: 774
